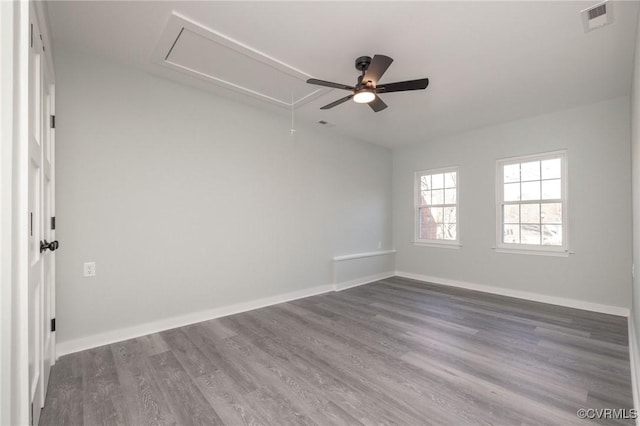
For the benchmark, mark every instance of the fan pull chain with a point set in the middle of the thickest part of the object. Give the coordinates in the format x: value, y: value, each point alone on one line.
x: 293, y: 125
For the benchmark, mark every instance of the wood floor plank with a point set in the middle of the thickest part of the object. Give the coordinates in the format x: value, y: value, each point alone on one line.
x: 398, y: 351
x: 529, y: 410
x: 318, y: 372
x: 65, y: 397
x: 217, y: 384
x: 101, y: 388
x: 233, y: 408
x: 274, y: 323
x: 385, y: 380
x: 153, y: 344
x: 215, y: 350
x: 145, y: 401
x: 185, y: 400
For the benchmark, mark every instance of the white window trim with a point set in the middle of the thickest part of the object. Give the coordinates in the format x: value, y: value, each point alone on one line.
x: 448, y: 244
x: 562, y: 251
x: 416, y: 209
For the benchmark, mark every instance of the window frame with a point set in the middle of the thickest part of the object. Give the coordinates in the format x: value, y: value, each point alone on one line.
x: 534, y: 249
x: 416, y: 209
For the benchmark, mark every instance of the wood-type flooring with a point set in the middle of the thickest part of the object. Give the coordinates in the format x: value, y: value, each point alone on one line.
x: 397, y: 351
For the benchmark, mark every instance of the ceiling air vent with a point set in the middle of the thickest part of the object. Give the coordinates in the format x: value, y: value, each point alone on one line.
x: 597, y: 16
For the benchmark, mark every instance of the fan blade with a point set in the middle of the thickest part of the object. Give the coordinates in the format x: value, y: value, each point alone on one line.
x: 377, y: 67
x: 377, y: 104
x: 402, y: 86
x: 329, y: 84
x: 338, y: 102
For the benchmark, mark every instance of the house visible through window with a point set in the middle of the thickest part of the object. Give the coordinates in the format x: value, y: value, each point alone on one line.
x: 437, y: 206
x: 532, y: 202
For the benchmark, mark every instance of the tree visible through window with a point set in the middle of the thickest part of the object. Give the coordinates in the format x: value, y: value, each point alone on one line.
x: 532, y: 202
x: 437, y: 206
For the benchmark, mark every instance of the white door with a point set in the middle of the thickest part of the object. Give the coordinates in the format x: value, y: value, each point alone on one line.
x: 40, y: 249
x: 48, y: 256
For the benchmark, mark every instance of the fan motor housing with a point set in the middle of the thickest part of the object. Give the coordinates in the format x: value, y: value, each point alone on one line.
x: 363, y: 62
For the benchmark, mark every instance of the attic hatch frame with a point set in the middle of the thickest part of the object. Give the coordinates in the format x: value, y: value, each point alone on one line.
x: 176, y: 27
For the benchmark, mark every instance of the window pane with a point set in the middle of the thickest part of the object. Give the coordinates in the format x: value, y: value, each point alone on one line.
x: 427, y: 225
x: 551, y: 169
x: 450, y: 196
x: 530, y: 213
x: 437, y: 196
x: 552, y: 235
x: 530, y: 234
x: 511, y: 213
x: 450, y: 215
x: 449, y: 231
x: 551, y: 189
x: 425, y: 182
x: 532, y: 201
x: 425, y: 198
x: 438, y: 214
x: 511, y: 192
x: 531, y: 190
x: 530, y: 171
x: 450, y: 180
x: 437, y: 181
x: 551, y: 213
x: 435, y: 221
x: 512, y: 173
x: 428, y: 231
x: 511, y: 234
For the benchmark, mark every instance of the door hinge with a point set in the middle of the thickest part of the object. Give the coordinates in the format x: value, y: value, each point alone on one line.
x: 31, y: 36
x: 31, y: 419
x: 53, y: 121
x: 53, y: 223
x: 53, y: 325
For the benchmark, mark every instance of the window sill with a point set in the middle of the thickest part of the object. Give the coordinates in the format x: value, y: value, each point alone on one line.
x: 451, y: 245
x: 564, y: 253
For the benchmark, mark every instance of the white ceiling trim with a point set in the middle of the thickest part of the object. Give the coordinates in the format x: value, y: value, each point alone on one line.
x: 176, y: 27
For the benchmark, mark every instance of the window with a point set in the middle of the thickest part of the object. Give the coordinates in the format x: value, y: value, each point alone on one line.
x: 436, y: 203
x: 532, y: 203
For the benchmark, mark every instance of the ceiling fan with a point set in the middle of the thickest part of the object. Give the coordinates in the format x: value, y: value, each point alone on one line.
x: 367, y: 89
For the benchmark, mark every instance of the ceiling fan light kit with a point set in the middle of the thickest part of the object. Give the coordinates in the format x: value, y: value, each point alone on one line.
x: 366, y: 91
x: 364, y: 96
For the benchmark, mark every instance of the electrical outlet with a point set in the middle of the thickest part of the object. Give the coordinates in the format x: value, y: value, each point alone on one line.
x: 90, y: 269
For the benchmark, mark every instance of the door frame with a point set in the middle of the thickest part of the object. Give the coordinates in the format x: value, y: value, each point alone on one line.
x: 14, y: 400
x: 15, y: 18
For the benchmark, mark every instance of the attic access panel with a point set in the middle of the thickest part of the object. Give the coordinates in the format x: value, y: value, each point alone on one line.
x: 194, y: 49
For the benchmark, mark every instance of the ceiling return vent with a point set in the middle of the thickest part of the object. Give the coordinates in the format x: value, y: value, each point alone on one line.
x: 597, y: 16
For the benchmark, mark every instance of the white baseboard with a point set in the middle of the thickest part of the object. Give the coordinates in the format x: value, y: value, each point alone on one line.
x: 96, y: 340
x: 519, y: 294
x: 364, y: 280
x: 101, y: 339
x: 634, y: 358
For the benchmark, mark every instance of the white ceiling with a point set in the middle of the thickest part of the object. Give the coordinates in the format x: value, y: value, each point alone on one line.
x: 488, y: 62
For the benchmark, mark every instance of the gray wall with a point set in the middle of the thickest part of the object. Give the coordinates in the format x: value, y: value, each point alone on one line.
x: 599, y: 212
x: 189, y: 202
